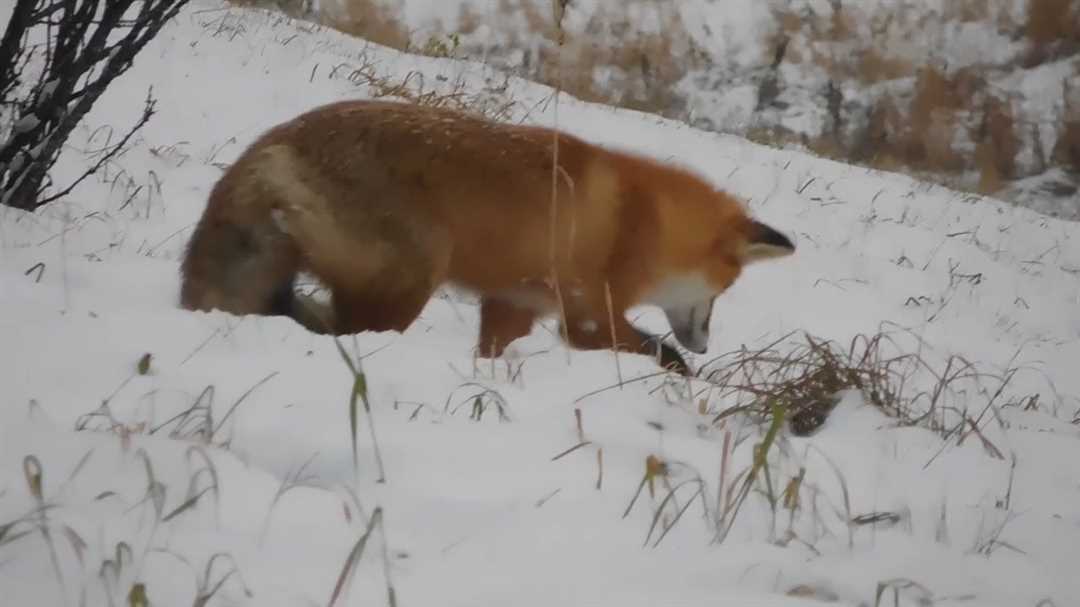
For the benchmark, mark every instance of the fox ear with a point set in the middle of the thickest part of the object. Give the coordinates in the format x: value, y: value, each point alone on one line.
x: 764, y: 243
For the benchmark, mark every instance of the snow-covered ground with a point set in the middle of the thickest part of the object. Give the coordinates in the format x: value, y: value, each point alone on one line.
x: 476, y: 507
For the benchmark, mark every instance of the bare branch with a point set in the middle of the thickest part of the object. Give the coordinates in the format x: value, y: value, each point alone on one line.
x: 40, y: 110
x: 148, y: 112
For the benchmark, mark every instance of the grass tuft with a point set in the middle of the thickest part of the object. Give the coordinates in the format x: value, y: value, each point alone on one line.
x: 808, y: 376
x: 359, y: 393
x: 353, y: 559
x: 481, y: 400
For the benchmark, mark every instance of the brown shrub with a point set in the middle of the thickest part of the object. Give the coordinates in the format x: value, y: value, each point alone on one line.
x: 468, y: 19
x: 372, y: 20
x: 997, y: 12
x: 1052, y: 29
x: 950, y: 123
x: 835, y: 43
x: 788, y: 21
x: 922, y: 129
x: 873, y: 133
x: 923, y: 133
x: 776, y: 44
x: 1049, y: 21
x: 997, y: 131
x: 990, y: 180
x: 888, y: 161
x: 1067, y: 148
x: 933, y: 91
x: 970, y: 11
x: 771, y: 136
x: 872, y: 66
x: 937, y: 143
x: 650, y: 62
x: 930, y: 115
x: 842, y: 23
x: 542, y: 22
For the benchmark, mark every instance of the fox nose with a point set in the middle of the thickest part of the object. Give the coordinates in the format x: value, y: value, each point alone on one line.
x: 690, y: 324
x: 692, y: 338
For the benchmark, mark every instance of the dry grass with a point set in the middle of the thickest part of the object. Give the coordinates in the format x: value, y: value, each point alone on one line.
x: 638, y: 73
x: 997, y: 145
x: 968, y: 11
x: 1052, y: 29
x: 847, y: 43
x: 118, y: 561
x: 806, y: 376
x: 932, y: 116
x: 469, y: 20
x: 872, y: 66
x: 990, y: 179
x: 947, y: 125
x: 1066, y: 150
x: 490, y: 100
x: 790, y: 387
x: 842, y: 23
x: 372, y: 20
x: 195, y: 423
x: 950, y: 124
x: 933, y: 91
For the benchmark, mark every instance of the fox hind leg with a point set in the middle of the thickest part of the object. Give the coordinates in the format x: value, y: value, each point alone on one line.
x: 380, y: 276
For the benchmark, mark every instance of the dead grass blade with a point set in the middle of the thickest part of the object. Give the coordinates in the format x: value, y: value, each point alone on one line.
x: 359, y: 393
x: 808, y: 375
x: 761, y: 453
x: 354, y: 557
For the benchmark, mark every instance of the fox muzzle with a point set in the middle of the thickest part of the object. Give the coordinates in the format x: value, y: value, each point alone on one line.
x: 690, y: 324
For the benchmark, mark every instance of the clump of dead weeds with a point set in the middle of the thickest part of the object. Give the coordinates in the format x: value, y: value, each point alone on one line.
x: 807, y: 376
x: 808, y: 379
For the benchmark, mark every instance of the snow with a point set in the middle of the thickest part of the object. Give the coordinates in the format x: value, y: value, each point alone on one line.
x: 481, y: 511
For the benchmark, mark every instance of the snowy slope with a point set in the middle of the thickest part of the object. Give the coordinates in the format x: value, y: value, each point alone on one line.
x: 716, y: 69
x: 480, y: 511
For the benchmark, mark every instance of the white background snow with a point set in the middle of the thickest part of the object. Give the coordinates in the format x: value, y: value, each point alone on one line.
x: 476, y: 511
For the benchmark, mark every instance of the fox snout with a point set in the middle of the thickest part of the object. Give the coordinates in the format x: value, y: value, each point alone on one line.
x: 687, y: 299
x: 690, y: 324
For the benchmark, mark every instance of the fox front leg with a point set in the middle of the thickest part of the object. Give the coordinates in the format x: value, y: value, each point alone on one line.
x: 587, y: 333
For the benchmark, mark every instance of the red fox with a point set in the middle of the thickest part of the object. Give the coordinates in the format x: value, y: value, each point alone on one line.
x: 384, y: 202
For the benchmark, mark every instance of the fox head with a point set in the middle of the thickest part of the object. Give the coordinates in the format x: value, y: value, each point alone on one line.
x: 688, y: 290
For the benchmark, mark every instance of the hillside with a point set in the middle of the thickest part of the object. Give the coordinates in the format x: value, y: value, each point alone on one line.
x: 979, y: 95
x: 220, y: 470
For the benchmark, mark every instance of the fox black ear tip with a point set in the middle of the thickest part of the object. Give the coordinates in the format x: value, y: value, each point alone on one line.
x: 790, y: 244
x: 782, y: 241
x: 769, y: 236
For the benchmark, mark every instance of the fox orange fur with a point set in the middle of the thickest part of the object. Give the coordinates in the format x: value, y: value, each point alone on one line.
x: 384, y: 202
